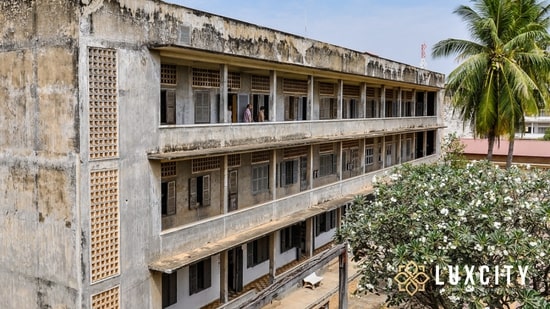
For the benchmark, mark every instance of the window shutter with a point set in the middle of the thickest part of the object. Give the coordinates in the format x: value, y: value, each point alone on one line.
x: 250, y: 254
x: 283, y: 236
x: 193, y: 279
x: 334, y: 106
x: 192, y: 193
x: 202, y: 107
x: 295, y: 171
x: 207, y: 273
x: 171, y: 199
x: 282, y: 169
x: 344, y: 161
x: 206, y: 190
x: 334, y: 163
x: 170, y: 107
x: 317, y: 226
x: 233, y: 181
x: 295, y: 230
x: 287, y: 108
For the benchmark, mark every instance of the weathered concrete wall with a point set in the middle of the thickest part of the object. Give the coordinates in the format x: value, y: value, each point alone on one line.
x: 39, y: 226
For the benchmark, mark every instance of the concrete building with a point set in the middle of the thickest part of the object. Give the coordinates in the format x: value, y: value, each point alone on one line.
x: 127, y: 182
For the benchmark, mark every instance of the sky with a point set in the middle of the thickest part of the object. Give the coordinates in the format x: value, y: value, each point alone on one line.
x: 391, y: 29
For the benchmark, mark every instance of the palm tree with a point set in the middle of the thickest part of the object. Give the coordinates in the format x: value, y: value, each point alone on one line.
x: 505, y: 70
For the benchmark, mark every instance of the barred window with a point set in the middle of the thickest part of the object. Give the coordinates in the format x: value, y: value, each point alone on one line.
x: 327, y: 165
x: 369, y: 155
x: 260, y: 178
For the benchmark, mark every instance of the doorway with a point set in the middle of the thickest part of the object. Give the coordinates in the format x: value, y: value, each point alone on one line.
x: 235, y: 269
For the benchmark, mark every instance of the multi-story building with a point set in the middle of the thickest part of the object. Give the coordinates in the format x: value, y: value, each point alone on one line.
x: 129, y: 179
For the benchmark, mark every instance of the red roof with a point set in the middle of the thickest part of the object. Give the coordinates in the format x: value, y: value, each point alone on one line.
x: 522, y: 147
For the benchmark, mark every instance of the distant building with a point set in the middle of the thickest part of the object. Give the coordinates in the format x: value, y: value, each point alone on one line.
x: 536, y: 153
x: 127, y: 182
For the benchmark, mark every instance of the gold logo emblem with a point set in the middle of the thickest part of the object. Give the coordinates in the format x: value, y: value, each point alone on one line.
x: 411, y: 278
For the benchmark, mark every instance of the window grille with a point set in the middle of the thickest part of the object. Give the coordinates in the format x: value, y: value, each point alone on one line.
x: 168, y: 169
x: 295, y: 152
x: 234, y: 160
x: 109, y: 299
x: 262, y: 156
x: 371, y: 92
x: 205, y: 164
x: 350, y: 144
x: 104, y: 224
x: 206, y: 78
x: 352, y: 91
x: 168, y: 74
x: 260, y: 178
x: 260, y: 83
x: 369, y: 155
x: 103, y: 103
x: 389, y: 94
x: 408, y: 95
x: 295, y: 86
x: 234, y: 80
x: 202, y: 107
x: 326, y: 89
x: 327, y: 164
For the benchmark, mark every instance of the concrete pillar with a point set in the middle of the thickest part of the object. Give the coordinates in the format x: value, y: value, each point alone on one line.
x: 310, y: 167
x: 339, y: 161
x: 383, y: 102
x: 399, y: 102
x: 310, y: 97
x: 273, y: 174
x: 399, y: 145
x: 425, y: 145
x: 310, y: 229
x: 224, y: 285
x: 272, y: 258
x: 343, y: 280
x: 223, y: 94
x: 340, y: 96
x: 363, y: 101
x: 413, y: 111
x: 273, y: 96
x: 383, y: 151
x: 224, y: 190
x: 425, y: 103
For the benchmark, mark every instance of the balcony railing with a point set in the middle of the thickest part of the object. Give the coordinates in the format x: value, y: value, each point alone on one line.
x: 189, y: 137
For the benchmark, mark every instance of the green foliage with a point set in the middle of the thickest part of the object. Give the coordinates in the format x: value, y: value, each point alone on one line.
x: 448, y: 215
x: 452, y: 150
x: 546, y: 136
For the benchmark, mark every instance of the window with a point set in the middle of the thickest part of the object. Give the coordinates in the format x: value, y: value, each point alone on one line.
x: 295, y: 108
x: 202, y: 107
x: 167, y: 106
x: 289, y: 238
x: 369, y: 155
x: 199, y: 191
x: 200, y: 276
x: 325, y: 222
x: 260, y: 178
x: 257, y: 251
x: 168, y: 204
x: 289, y: 172
x: 327, y: 108
x: 327, y: 165
x: 169, y: 289
x: 349, y: 109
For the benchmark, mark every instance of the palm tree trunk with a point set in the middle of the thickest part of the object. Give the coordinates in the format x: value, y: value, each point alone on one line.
x: 510, y: 152
x: 491, y: 145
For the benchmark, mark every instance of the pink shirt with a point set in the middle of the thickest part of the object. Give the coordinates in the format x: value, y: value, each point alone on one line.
x: 247, y: 115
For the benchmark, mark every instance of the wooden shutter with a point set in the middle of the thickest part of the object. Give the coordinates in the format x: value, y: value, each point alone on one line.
x: 207, y: 273
x: 202, y: 107
x: 206, y: 190
x: 192, y: 193
x: 295, y: 171
x: 193, y: 279
x: 171, y: 199
x: 250, y: 254
x: 233, y: 181
x: 282, y: 170
x: 170, y: 106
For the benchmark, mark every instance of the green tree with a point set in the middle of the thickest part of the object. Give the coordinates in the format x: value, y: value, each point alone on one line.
x: 504, y: 71
x: 546, y: 136
x: 454, y: 215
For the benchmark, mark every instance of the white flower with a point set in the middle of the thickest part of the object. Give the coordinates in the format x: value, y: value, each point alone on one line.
x: 374, y: 179
x: 393, y: 200
x: 496, y: 224
x: 469, y: 289
x: 478, y: 247
x: 444, y: 211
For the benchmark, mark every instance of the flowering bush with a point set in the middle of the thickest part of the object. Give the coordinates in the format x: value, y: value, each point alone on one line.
x: 447, y: 215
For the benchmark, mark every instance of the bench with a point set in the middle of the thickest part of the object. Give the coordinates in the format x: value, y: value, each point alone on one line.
x: 312, y: 281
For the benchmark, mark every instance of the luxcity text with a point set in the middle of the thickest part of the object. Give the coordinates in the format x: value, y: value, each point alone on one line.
x: 485, y: 275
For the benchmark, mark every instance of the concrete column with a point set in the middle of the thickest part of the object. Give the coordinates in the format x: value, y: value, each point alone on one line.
x: 223, y: 94
x: 425, y: 145
x: 362, y: 154
x: 340, y: 96
x: 343, y: 280
x: 273, y: 96
x: 310, y: 97
x: 399, y: 154
x: 224, y: 190
x: 310, y: 239
x: 363, y: 101
x: 339, y: 161
x: 383, y: 151
x: 272, y: 257
x: 399, y: 102
x: 383, y: 102
x: 273, y: 173
x: 224, y: 285
x: 310, y: 167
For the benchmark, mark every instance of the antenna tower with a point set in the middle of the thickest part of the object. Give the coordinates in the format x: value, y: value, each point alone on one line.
x: 423, y: 63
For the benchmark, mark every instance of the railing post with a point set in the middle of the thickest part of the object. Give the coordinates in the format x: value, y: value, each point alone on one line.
x: 343, y: 280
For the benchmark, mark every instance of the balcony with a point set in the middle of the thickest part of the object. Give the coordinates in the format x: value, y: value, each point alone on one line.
x: 221, y: 138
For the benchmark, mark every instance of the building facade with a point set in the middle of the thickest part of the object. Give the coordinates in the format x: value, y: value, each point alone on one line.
x: 130, y: 179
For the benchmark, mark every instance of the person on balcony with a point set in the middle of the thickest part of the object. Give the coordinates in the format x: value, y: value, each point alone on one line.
x: 248, y: 113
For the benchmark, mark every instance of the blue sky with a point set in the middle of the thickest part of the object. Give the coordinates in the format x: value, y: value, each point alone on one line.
x: 393, y: 29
